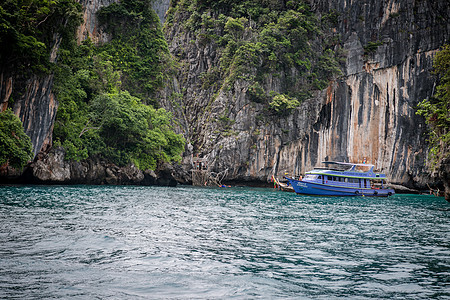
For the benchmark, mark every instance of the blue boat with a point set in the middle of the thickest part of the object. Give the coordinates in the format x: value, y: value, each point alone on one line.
x: 342, y: 179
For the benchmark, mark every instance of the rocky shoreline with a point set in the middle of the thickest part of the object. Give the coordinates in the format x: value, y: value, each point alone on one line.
x: 51, y: 169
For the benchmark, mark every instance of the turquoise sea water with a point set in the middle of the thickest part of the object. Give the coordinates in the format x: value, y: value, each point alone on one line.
x: 106, y: 242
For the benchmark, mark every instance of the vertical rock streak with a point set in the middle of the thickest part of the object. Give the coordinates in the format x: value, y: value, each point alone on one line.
x: 89, y: 28
x: 369, y: 112
x: 37, y: 110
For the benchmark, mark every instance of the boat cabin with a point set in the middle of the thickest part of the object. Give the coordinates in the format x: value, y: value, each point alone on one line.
x: 346, y: 175
x: 342, y: 179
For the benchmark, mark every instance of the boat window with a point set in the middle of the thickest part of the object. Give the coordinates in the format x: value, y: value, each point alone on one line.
x: 320, y: 177
x: 310, y: 177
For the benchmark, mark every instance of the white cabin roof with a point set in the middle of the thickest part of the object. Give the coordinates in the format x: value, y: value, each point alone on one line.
x: 347, y: 164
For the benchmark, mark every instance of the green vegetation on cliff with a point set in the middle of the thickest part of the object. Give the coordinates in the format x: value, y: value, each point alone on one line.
x: 436, y: 110
x: 15, y: 145
x: 258, y: 41
x: 28, y: 33
x: 138, y: 48
x: 130, y: 131
x: 101, y: 90
x: 28, y: 29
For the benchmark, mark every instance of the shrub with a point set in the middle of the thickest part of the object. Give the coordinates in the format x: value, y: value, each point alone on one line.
x: 15, y: 145
x: 282, y: 104
x: 256, y: 93
x: 436, y: 110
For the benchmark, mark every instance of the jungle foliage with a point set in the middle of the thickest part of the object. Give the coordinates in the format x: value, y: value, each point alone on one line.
x: 260, y: 40
x: 138, y: 47
x: 102, y: 91
x: 28, y: 28
x: 27, y: 32
x: 436, y: 109
x: 15, y: 145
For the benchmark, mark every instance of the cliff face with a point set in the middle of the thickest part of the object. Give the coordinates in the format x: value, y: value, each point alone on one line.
x: 369, y: 112
x: 161, y: 7
x: 51, y: 168
x: 37, y: 110
x: 89, y: 27
x: 33, y: 101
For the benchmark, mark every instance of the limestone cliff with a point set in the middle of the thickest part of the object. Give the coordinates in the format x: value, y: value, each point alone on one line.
x: 161, y: 7
x: 33, y: 101
x: 31, y: 98
x: 52, y: 168
x: 369, y: 112
x: 89, y: 27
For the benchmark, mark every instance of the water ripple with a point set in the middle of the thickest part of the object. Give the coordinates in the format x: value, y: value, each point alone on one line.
x: 153, y: 242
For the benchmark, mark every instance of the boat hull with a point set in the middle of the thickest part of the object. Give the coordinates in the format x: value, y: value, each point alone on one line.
x: 310, y: 188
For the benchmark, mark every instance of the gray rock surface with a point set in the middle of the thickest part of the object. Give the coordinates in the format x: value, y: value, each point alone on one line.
x: 161, y: 7
x: 52, y: 168
x: 90, y: 27
x: 368, y: 113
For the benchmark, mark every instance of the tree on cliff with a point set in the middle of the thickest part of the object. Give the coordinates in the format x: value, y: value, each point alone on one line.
x: 436, y: 110
x: 15, y: 145
x: 129, y: 131
x: 27, y: 31
x: 104, y: 92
